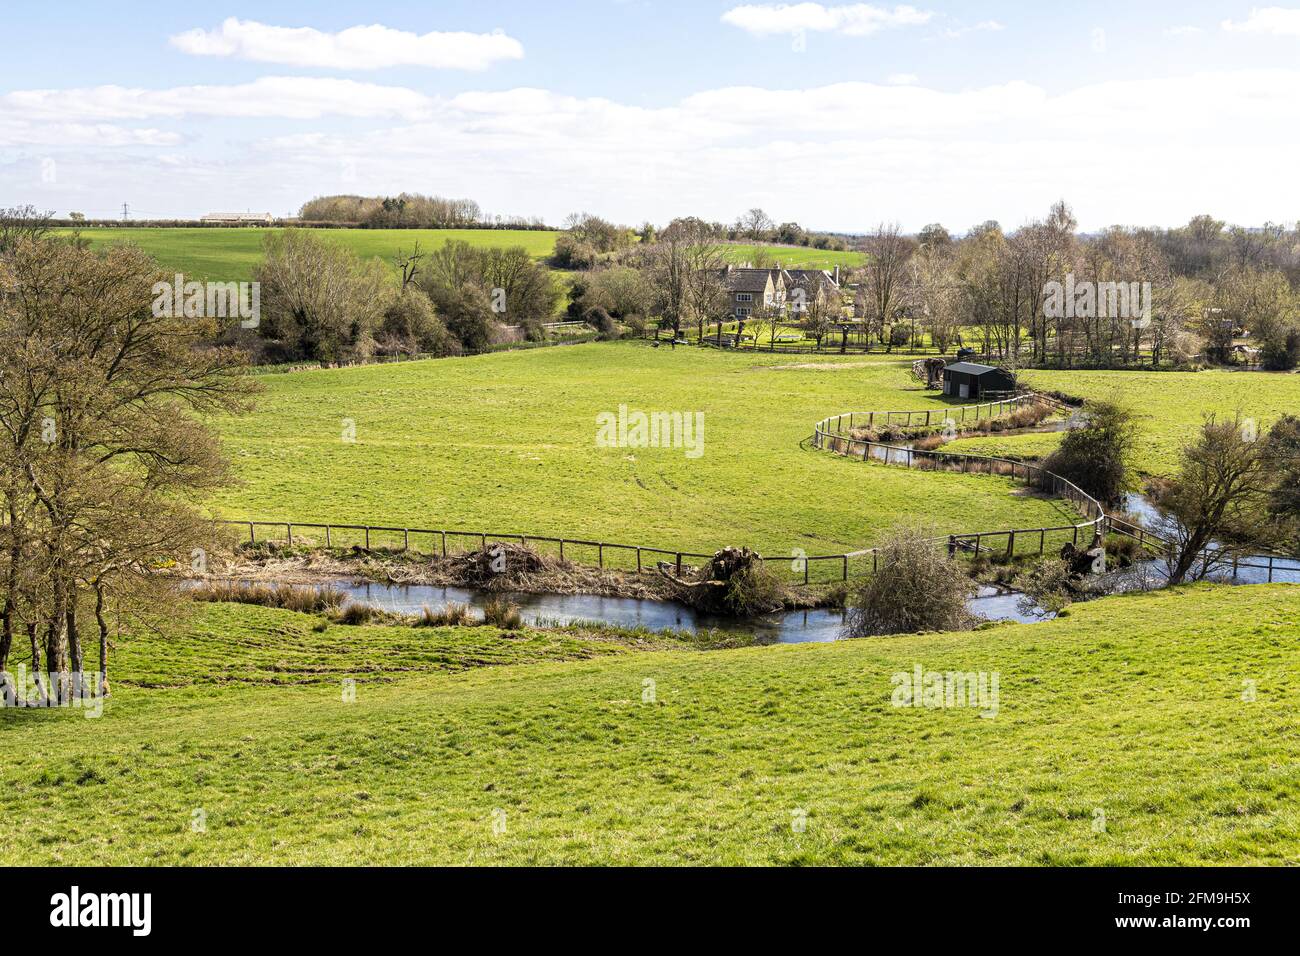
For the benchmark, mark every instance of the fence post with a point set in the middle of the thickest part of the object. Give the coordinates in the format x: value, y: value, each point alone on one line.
x: 638, y: 558
x: 444, y: 543
x: 406, y: 539
x: 1011, y: 544
x: 367, y: 537
x: 679, y: 564
x: 252, y: 535
x: 600, y: 556
x: 288, y: 533
x: 845, y: 576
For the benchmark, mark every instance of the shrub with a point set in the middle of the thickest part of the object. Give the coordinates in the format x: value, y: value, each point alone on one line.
x: 355, y: 614
x: 304, y: 598
x: 454, y: 614
x: 917, y: 588
x: 754, y: 590
x: 409, y: 318
x: 500, y: 612
x: 1281, y: 352
x: 1095, y: 457
x: 601, y: 321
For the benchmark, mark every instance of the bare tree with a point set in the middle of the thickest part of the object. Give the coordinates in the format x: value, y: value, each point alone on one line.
x: 1217, y: 503
x: 888, y: 251
x: 755, y: 224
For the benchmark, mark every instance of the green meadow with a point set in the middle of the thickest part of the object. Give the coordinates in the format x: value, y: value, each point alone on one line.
x: 231, y: 255
x: 1169, y: 406
x: 1156, y: 729
x: 508, y: 443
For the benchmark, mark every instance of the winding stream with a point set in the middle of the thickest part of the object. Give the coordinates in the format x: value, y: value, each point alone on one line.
x: 788, y: 627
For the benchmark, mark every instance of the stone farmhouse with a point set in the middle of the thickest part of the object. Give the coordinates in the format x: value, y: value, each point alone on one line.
x: 792, y: 290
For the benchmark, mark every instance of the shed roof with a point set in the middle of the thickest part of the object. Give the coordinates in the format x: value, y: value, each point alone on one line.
x: 970, y: 368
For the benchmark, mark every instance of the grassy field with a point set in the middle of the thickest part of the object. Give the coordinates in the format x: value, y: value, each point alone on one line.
x: 795, y: 257
x: 230, y: 255
x: 1172, y: 405
x: 507, y: 442
x: 1122, y: 735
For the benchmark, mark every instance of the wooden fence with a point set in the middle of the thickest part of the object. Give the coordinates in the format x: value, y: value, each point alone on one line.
x: 830, y: 435
x: 927, y: 418
x: 606, y: 555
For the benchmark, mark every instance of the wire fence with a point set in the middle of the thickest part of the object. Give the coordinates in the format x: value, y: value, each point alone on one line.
x: 794, y: 567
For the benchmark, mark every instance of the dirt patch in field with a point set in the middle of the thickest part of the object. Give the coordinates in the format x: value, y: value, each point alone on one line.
x: 833, y: 366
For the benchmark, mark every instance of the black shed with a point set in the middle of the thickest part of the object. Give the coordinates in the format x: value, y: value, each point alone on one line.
x: 968, y: 380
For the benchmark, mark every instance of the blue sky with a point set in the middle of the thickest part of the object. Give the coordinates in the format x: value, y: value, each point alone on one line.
x: 835, y: 115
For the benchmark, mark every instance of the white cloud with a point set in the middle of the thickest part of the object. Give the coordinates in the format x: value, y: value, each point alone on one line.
x: 902, y: 79
x: 20, y: 132
x: 856, y: 19
x: 840, y: 156
x: 288, y: 97
x: 357, y: 48
x: 984, y: 26
x: 1278, y: 21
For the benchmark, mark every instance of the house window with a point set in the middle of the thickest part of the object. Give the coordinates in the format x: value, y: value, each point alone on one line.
x: 742, y: 312
x: 744, y: 297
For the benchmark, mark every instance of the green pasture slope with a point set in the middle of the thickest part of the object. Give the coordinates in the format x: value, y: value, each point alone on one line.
x: 1131, y: 711
x: 507, y: 443
x: 1170, y: 406
x: 230, y: 255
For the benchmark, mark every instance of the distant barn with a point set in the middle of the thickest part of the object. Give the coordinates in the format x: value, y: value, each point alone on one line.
x: 238, y: 218
x: 968, y: 380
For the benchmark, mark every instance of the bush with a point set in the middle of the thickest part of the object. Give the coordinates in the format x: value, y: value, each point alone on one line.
x: 409, y: 319
x: 917, y: 588
x: 1281, y: 353
x: 305, y: 598
x: 601, y: 321
x: 754, y: 590
x: 1095, y: 457
x: 356, y: 614
x: 468, y: 315
x: 500, y: 612
x: 454, y: 614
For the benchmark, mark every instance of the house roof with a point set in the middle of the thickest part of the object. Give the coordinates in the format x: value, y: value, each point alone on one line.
x: 809, y: 276
x: 970, y: 368
x: 747, y: 280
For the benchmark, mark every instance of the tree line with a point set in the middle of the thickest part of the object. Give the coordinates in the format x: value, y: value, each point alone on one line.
x: 104, y: 453
x: 408, y: 211
x: 1209, y: 289
x: 320, y: 301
